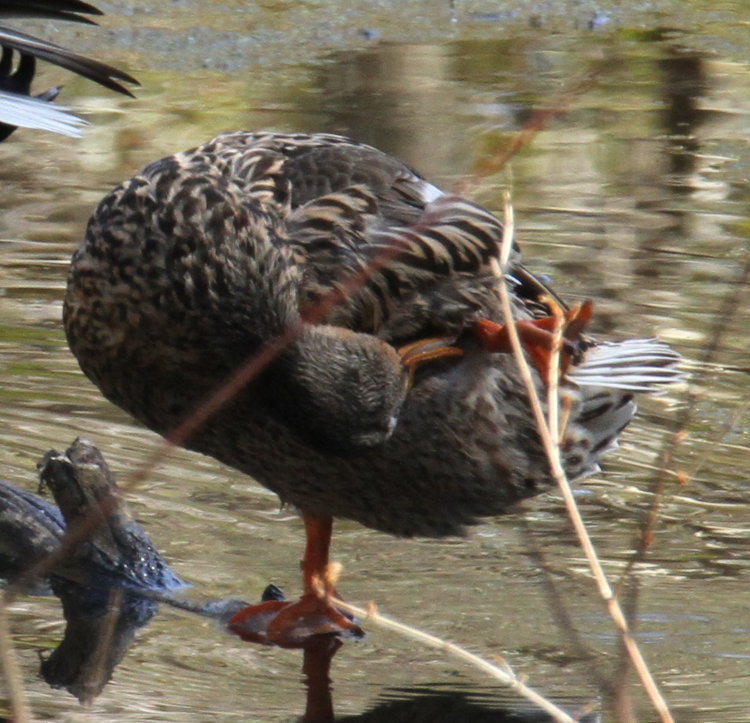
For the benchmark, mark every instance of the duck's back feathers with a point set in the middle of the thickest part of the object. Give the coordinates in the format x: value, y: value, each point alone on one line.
x: 402, y: 257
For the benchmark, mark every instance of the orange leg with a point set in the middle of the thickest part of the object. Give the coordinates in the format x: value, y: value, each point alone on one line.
x: 316, y: 667
x: 318, y: 530
x: 294, y: 624
x: 538, y: 337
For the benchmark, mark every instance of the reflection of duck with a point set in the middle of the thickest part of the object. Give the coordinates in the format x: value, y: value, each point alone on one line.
x: 17, y: 107
x: 390, y: 407
x: 441, y: 704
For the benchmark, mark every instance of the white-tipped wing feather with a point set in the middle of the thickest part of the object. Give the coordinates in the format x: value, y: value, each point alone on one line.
x: 634, y: 365
x: 20, y: 110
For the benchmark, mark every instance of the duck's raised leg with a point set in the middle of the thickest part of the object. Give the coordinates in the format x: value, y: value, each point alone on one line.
x: 538, y: 336
x: 293, y: 624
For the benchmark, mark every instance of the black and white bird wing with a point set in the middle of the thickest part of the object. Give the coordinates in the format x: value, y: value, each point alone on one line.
x: 17, y: 107
x: 22, y: 111
x: 28, y: 45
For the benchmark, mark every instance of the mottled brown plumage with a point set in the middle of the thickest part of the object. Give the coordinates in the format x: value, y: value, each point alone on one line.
x: 393, y: 401
x: 194, y: 264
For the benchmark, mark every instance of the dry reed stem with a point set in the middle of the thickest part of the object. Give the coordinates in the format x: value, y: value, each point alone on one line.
x: 11, y: 670
x: 502, y: 673
x: 549, y: 438
x: 729, y: 304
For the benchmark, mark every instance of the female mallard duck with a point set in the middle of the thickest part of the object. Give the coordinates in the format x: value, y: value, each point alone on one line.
x: 393, y: 406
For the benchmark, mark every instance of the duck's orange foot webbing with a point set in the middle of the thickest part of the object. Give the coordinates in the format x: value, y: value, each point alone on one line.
x: 294, y: 624
x: 291, y: 624
x: 538, y: 337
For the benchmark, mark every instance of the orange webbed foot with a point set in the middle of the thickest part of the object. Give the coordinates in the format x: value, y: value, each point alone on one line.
x: 290, y: 624
x: 299, y: 624
x: 537, y: 336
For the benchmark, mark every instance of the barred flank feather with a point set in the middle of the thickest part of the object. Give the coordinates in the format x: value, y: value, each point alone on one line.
x: 606, y: 380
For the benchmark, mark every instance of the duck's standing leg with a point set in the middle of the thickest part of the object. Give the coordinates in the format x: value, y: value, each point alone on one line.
x: 294, y: 624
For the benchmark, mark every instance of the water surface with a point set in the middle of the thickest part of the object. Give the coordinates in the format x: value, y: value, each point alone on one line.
x: 636, y: 197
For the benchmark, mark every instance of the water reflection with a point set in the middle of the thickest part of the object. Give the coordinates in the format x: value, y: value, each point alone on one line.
x: 685, y: 84
x: 427, y: 704
x: 413, y: 100
x: 636, y: 198
x: 100, y: 627
x: 98, y: 561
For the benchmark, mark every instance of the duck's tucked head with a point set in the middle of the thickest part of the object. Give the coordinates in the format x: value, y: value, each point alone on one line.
x: 340, y: 389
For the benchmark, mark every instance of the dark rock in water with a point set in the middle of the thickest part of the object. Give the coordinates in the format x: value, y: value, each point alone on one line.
x: 113, y: 551
x: 92, y: 555
x: 30, y: 530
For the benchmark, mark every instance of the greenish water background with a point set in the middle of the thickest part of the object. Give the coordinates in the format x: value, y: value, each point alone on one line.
x: 637, y: 198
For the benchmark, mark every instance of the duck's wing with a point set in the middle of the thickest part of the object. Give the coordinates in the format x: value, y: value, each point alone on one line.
x: 429, y: 275
x: 17, y: 108
x: 28, y: 45
x: 21, y: 110
x: 401, y: 258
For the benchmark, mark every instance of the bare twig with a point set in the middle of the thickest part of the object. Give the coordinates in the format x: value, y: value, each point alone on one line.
x: 11, y: 671
x: 730, y: 303
x: 549, y: 441
x: 501, y: 672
